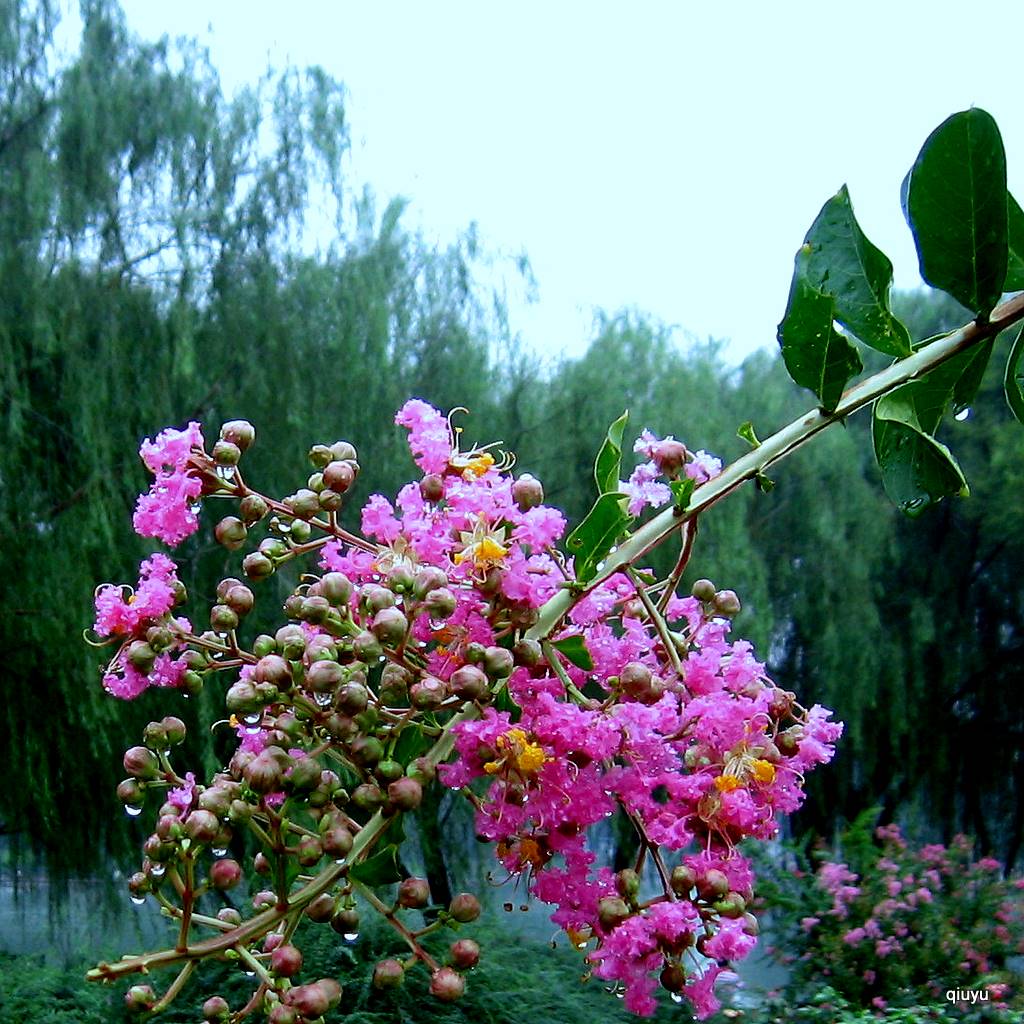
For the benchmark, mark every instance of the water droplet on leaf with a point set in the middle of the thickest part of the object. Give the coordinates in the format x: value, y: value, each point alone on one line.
x: 132, y: 812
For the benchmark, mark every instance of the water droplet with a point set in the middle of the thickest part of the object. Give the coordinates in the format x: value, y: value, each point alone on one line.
x: 138, y: 900
x: 194, y: 508
x: 253, y: 719
x: 676, y: 997
x: 381, y: 659
x: 132, y: 812
x: 613, y: 549
x: 962, y: 415
x: 219, y: 851
x: 249, y: 974
x: 600, y: 566
x: 322, y: 699
x: 157, y: 870
x: 350, y: 936
x: 225, y: 472
x: 436, y: 624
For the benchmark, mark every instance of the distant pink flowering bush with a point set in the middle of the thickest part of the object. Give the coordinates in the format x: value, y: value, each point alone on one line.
x: 898, y: 923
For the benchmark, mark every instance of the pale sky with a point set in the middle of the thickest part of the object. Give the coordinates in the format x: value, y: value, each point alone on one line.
x: 665, y: 156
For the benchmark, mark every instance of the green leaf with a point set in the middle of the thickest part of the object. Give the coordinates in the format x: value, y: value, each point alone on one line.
x: 746, y: 432
x: 576, y: 651
x: 591, y: 541
x: 816, y: 355
x: 608, y: 464
x: 843, y: 263
x: 917, y: 470
x: 380, y: 869
x: 955, y: 201
x: 1013, y: 381
x: 411, y: 743
x: 504, y: 702
x: 1015, y: 229
x: 682, y: 491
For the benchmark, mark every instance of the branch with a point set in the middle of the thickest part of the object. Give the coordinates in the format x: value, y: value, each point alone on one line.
x: 778, y: 446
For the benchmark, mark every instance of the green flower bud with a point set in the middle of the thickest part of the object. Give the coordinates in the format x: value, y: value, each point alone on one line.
x: 309, y: 851
x: 337, y: 588
x: 139, y: 999
x: 727, y: 603
x: 257, y: 566
x: 231, y: 532
x: 343, y: 451
x: 337, y: 842
x: 324, y: 676
x: 141, y: 763
x: 427, y: 579
x: 239, y: 432
x: 428, y: 693
x: 225, y: 453
x: 389, y: 626
x: 320, y: 455
x: 303, y: 504
x: 627, y: 882
x: 611, y: 912
x: 470, y: 683
x: 300, y: 530
x: 527, y: 652
x: 252, y: 508
x: 223, y: 618
x: 141, y: 656
x: 388, y: 974
x: 368, y: 797
x: 175, y: 730
x: 704, y: 590
x: 241, y: 698
x: 498, y: 662
x: 155, y: 736
x: 389, y: 771
x: 683, y: 879
x: 367, y: 648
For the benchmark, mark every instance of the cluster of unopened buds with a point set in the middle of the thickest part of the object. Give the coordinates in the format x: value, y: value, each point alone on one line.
x: 423, y: 652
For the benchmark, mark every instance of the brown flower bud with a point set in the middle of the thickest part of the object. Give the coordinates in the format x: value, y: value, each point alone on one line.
x: 464, y: 907
x: 286, y: 961
x: 239, y: 432
x: 414, y: 893
x: 447, y: 985
x: 141, y: 763
x: 527, y: 492
x: 465, y: 954
x: 405, y: 794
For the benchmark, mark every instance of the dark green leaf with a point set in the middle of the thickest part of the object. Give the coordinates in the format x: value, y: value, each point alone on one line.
x: 682, y: 491
x: 591, y: 541
x: 955, y: 201
x: 504, y: 702
x: 1015, y: 228
x: 746, y: 432
x: 380, y: 869
x: 576, y: 651
x: 608, y: 465
x: 841, y: 262
x: 411, y: 743
x: 764, y: 483
x: 816, y: 355
x: 1013, y: 381
x: 917, y: 470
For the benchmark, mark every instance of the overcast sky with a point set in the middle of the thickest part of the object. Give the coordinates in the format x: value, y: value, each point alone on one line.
x: 667, y: 156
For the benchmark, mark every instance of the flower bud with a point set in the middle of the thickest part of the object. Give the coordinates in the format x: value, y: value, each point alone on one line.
x: 139, y: 999
x: 366, y: 751
x: 320, y: 455
x: 423, y: 770
x: 286, y: 961
x: 637, y: 682
x: 309, y: 1000
x: 447, y: 985
x: 174, y: 728
x: 272, y: 668
x: 314, y: 609
x: 141, y: 763
x: 389, y: 626
x: 257, y: 566
x: 611, y: 912
x: 309, y: 851
x: 432, y: 488
x: 343, y: 451
x: 223, y: 618
x: 252, y: 509
x: 527, y: 652
x: 405, y: 794
x: 241, y: 698
x: 331, y: 989
x: 388, y: 974
x: 225, y: 453
x: 263, y: 773
x: 732, y: 905
x: 727, y: 603
x: 527, y: 492
x: 216, y: 1010
x: 231, y: 532
x: 352, y: 698
x: 470, y: 683
x: 465, y: 954
x: 627, y: 882
x: 440, y: 603
x: 414, y: 893
x: 337, y: 842
x: 345, y: 921
x: 131, y: 793
x: 683, y: 879
x: 367, y: 648
x: 498, y: 662
x: 141, y: 656
x: 216, y: 800
x: 139, y: 884
x: 428, y: 693
x: 427, y: 579
x: 340, y: 475
x: 202, y: 826
x: 368, y: 797
x: 303, y: 504
x: 712, y: 884
x: 225, y: 874
x: 239, y: 432
x: 703, y: 590
x: 337, y: 588
x: 324, y: 676
x: 673, y: 978
x: 464, y: 907
x: 321, y: 909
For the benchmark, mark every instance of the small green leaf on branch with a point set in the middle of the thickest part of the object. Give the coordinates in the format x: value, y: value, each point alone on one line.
x: 380, y: 869
x: 576, y: 651
x: 608, y: 464
x: 682, y: 491
x: 746, y: 431
x: 591, y: 541
x: 1013, y: 381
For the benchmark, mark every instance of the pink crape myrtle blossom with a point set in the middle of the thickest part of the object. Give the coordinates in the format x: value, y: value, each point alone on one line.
x: 167, y: 511
x: 118, y: 615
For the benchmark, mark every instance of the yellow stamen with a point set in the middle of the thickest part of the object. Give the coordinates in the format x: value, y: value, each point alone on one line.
x: 520, y: 754
x: 727, y: 783
x: 476, y: 467
x: 763, y: 771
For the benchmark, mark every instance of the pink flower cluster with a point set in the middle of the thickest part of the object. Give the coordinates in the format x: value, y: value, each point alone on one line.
x: 667, y: 459
x: 124, y: 612
x: 168, y: 510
